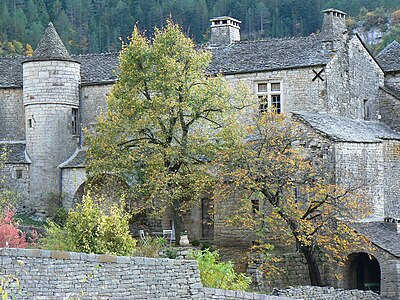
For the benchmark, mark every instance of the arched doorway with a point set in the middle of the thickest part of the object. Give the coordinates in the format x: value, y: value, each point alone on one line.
x: 365, y: 272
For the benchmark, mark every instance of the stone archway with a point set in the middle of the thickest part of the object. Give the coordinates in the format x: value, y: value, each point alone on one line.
x: 364, y: 272
x: 79, y: 194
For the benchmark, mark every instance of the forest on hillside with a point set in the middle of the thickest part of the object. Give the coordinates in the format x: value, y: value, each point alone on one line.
x: 93, y: 26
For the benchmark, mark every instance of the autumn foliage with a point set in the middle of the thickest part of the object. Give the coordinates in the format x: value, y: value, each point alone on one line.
x: 299, y: 199
x: 10, y: 235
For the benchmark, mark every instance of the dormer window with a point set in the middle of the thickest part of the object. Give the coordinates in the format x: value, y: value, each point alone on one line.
x: 269, y: 94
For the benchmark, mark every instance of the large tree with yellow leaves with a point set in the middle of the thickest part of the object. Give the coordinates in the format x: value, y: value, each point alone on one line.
x: 164, y: 117
x: 299, y: 199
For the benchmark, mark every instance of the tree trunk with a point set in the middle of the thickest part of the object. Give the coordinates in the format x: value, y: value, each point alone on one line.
x: 313, y: 270
x: 178, y: 221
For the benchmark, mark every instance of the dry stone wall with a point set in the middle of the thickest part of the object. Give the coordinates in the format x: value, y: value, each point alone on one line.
x: 49, y: 275
x: 326, y: 293
x: 45, y: 274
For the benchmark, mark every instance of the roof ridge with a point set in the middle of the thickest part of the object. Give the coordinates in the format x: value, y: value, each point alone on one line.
x: 96, y: 54
x: 287, y: 38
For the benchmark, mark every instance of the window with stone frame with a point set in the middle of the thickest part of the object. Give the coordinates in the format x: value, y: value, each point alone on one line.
x: 18, y: 173
x: 269, y: 94
x: 75, y: 121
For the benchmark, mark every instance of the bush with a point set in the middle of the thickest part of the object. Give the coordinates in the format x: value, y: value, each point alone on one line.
x: 195, y: 243
x: 10, y: 235
x: 90, y: 229
x: 216, y: 274
x: 171, y: 253
x: 152, y: 247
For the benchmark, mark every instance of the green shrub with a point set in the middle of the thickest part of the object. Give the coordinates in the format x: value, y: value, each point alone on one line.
x: 151, y: 248
x: 195, y: 243
x: 216, y: 274
x: 90, y: 229
x: 56, y: 238
x: 205, y: 246
x: 171, y: 253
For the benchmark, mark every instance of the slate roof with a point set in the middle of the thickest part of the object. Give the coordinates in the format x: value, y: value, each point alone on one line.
x: 15, y: 152
x: 382, y: 234
x: 394, y: 91
x: 269, y: 54
x: 389, y: 58
x: 11, y: 71
x: 348, y: 130
x: 77, y: 160
x: 95, y: 68
x: 50, y: 46
x: 98, y: 68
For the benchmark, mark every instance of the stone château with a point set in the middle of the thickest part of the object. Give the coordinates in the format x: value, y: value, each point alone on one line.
x: 347, y: 98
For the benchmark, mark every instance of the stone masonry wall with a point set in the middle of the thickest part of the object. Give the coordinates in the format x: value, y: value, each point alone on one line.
x: 93, y: 102
x: 51, y: 93
x: 18, y: 185
x: 45, y: 274
x: 359, y: 161
x: 11, y: 115
x: 365, y: 79
x: 390, y: 110
x: 227, y: 231
x: 298, y: 91
x: 326, y: 293
x: 391, y: 185
x: 293, y: 272
x: 235, y: 295
x: 72, y: 178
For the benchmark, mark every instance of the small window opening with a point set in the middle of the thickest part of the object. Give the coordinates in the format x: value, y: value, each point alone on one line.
x: 74, y: 124
x: 366, y: 109
x: 18, y: 174
x: 255, y: 206
x: 30, y: 123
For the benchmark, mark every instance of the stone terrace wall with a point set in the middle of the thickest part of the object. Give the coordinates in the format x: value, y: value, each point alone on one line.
x: 46, y: 274
x: 49, y: 275
x: 231, y: 295
x: 326, y: 293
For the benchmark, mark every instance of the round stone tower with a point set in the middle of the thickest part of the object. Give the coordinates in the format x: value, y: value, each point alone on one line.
x: 51, y: 82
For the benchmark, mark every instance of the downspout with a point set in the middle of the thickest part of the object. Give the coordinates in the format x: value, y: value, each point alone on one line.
x: 80, y: 116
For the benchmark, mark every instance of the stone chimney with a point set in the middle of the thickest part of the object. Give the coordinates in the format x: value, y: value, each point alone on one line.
x: 334, y: 25
x: 224, y: 30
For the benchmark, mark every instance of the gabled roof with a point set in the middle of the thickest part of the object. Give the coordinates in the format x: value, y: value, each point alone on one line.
x: 348, y: 130
x: 389, y: 58
x: 269, y: 54
x: 95, y: 68
x: 98, y: 68
x: 50, y: 46
x: 77, y: 160
x: 392, y: 90
x: 11, y: 71
x: 15, y: 152
x: 382, y: 234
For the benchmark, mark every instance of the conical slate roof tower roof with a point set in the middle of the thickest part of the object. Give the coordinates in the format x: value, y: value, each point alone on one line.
x: 51, y: 46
